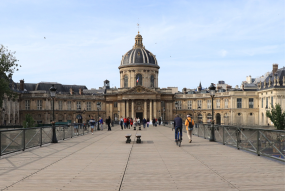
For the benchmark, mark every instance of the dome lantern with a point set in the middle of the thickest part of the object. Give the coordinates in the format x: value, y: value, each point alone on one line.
x: 138, y: 41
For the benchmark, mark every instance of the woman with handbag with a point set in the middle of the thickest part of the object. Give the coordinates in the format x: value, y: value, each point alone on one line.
x: 189, y: 123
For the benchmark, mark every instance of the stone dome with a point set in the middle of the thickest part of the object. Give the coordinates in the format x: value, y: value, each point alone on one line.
x: 138, y: 55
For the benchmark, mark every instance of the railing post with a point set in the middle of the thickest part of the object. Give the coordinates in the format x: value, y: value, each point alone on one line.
x: 198, y: 129
x: 223, y: 135
x: 258, y: 143
x: 71, y: 131
x: 24, y: 141
x: 237, y: 137
x: 204, y: 131
x: 63, y: 132
x: 41, y: 130
x: 0, y: 144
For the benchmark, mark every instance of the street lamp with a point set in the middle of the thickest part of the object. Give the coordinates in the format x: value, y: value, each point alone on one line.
x: 212, y: 89
x: 98, y: 107
x: 176, y: 105
x: 52, y: 95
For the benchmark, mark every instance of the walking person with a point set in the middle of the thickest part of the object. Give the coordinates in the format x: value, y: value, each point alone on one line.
x: 101, y: 123
x: 92, y: 123
x: 108, y: 122
x: 144, y: 122
x: 189, y: 123
x: 147, y: 122
x: 125, y: 122
x: 153, y: 122
x: 159, y: 120
x: 178, y: 125
x: 122, y: 122
x: 131, y: 122
x: 138, y: 121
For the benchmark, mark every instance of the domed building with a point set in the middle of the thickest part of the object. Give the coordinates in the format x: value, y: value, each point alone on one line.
x: 139, y: 67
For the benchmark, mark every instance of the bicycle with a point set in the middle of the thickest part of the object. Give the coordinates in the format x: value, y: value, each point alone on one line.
x: 179, y: 140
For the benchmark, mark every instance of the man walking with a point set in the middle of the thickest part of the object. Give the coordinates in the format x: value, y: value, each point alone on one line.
x: 101, y: 123
x: 92, y: 123
x: 121, y: 122
x: 189, y: 123
x: 178, y: 125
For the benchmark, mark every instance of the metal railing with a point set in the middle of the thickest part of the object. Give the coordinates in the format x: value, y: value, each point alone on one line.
x: 20, y: 139
x: 270, y: 143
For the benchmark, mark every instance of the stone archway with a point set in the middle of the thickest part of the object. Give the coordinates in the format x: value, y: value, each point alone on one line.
x: 218, y: 119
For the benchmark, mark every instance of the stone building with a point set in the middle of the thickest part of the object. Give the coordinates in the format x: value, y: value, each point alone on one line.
x: 139, y: 95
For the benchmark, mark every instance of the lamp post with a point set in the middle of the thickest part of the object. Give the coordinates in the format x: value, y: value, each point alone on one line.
x: 98, y: 107
x: 176, y: 105
x: 52, y: 95
x: 212, y: 89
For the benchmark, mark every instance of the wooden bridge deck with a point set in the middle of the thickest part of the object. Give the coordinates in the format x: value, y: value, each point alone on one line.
x: 104, y: 161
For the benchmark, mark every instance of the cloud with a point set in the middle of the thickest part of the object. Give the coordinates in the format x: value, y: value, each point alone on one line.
x: 223, y: 53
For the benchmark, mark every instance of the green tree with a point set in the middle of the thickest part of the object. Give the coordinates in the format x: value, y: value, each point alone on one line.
x: 277, y: 117
x: 8, y: 65
x: 29, y: 121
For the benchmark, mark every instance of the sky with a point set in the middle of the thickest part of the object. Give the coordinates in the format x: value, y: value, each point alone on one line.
x: 207, y: 41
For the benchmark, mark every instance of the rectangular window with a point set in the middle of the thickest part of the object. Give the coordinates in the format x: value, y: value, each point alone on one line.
x: 272, y: 102
x: 69, y: 105
x: 239, y: 103
x: 250, y: 102
x: 88, y: 106
x: 209, y: 104
x: 218, y: 104
x: 78, y: 105
x: 59, y: 105
x: 266, y: 103
x: 189, y: 104
x: 39, y: 104
x: 115, y: 104
x: 179, y: 105
x: 226, y: 103
x: 261, y: 102
x: 27, y: 104
x: 199, y: 104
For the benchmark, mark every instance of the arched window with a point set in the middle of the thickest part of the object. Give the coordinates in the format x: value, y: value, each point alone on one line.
x: 126, y: 79
x: 139, y: 80
x: 152, y: 81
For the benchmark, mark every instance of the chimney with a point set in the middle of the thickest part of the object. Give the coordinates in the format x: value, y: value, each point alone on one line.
x: 275, y: 68
x: 22, y: 85
x: 71, y: 91
x: 184, y: 90
x: 80, y: 91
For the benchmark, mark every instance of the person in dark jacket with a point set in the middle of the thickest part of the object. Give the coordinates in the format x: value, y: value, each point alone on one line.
x: 159, y: 120
x: 178, y: 125
x: 144, y: 122
x: 108, y: 121
x: 153, y: 121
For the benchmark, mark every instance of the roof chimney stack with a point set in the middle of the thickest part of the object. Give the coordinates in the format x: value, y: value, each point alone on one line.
x: 22, y: 85
x: 275, y: 68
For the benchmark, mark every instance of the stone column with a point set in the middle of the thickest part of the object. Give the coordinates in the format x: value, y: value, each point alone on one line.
x: 154, y: 109
x: 123, y: 109
x: 111, y: 111
x: 133, y: 109
x: 107, y: 110
x: 127, y: 109
x: 150, y: 111
x: 145, y: 109
x: 119, y: 109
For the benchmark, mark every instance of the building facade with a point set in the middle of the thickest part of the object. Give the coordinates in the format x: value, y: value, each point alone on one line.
x: 140, y: 96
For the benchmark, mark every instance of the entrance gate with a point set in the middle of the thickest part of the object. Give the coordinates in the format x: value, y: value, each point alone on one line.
x: 139, y: 115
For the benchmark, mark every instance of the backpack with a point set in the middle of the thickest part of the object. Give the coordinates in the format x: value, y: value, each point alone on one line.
x: 190, y: 126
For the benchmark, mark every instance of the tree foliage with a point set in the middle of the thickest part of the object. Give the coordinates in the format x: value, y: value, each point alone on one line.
x: 29, y: 121
x: 277, y: 117
x: 8, y: 65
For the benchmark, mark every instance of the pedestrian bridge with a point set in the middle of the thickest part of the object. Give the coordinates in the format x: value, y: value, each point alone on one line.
x: 104, y: 161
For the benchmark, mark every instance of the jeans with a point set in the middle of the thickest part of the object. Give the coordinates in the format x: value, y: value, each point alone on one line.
x: 121, y: 125
x: 125, y: 125
x: 176, y: 132
x: 189, y: 134
x: 144, y: 125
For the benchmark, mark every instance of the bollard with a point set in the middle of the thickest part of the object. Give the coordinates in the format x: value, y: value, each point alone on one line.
x: 258, y: 144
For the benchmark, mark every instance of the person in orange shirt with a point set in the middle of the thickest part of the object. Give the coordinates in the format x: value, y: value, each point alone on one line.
x: 189, y: 123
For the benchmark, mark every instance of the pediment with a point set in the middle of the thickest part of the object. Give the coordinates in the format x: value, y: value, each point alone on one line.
x: 139, y: 90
